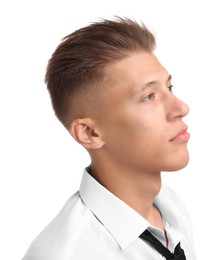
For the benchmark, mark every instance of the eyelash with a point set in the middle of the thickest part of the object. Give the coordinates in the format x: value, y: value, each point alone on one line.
x: 170, y: 88
x: 151, y: 96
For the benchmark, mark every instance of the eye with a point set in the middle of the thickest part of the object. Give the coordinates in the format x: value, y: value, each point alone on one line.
x: 170, y: 88
x: 149, y: 97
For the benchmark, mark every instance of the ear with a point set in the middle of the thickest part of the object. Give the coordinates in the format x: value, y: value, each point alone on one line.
x: 86, y: 133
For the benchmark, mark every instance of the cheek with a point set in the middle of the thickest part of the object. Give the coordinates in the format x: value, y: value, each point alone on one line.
x: 135, y: 127
x: 134, y: 133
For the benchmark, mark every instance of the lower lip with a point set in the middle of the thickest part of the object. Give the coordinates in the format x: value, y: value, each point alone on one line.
x: 181, y: 138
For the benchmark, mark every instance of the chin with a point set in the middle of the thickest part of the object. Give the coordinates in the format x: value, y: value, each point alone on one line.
x: 177, y: 164
x: 180, y: 166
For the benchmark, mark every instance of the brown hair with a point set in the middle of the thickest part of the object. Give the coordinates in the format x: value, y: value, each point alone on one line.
x: 78, y: 63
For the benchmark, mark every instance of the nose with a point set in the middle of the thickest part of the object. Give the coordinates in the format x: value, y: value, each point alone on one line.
x: 177, y: 109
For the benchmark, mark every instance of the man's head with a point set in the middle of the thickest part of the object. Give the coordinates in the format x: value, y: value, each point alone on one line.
x: 114, y: 96
x: 77, y: 71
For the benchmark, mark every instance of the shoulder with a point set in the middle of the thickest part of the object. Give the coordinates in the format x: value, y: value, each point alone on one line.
x: 53, y: 242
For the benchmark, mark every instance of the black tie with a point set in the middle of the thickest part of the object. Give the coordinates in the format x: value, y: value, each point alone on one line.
x: 177, y: 255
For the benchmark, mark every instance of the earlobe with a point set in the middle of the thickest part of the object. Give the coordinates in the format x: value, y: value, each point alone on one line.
x: 86, y: 134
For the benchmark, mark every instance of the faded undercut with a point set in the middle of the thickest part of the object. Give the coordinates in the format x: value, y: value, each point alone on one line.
x: 79, y: 62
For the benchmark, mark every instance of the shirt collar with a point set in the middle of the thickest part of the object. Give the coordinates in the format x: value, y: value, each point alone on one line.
x: 171, y: 208
x: 123, y: 222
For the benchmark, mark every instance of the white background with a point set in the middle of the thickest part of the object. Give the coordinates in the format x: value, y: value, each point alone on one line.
x: 41, y: 165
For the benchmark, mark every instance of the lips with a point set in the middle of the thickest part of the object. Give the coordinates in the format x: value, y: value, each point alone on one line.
x: 181, y: 137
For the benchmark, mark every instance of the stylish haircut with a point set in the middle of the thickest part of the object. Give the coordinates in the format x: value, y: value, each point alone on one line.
x: 78, y: 64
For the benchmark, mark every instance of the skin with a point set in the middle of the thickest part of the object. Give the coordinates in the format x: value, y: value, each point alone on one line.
x: 131, y: 140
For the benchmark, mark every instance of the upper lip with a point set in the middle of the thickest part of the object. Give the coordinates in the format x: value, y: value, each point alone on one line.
x: 182, y: 131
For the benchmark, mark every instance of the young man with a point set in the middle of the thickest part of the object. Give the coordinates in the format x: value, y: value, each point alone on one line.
x: 115, y: 98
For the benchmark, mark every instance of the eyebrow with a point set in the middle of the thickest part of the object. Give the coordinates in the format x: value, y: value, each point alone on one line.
x: 151, y: 83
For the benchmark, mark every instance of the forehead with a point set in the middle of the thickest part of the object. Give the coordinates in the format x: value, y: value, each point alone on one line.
x: 138, y: 68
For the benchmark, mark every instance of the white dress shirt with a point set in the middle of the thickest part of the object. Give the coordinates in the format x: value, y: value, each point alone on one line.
x: 95, y: 224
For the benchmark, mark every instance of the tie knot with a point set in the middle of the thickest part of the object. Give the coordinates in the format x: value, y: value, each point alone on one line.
x: 159, y: 247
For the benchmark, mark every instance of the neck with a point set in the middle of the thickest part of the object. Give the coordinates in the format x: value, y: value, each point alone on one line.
x: 136, y: 188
